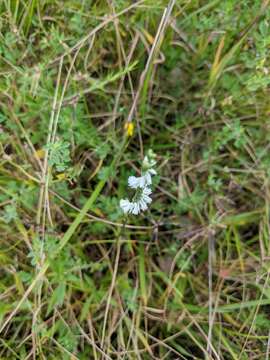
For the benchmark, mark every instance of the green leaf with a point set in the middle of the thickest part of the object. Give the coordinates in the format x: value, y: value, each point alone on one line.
x: 58, y: 297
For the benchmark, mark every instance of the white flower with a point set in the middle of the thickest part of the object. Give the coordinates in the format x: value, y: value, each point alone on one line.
x: 147, y: 178
x: 135, y: 182
x: 145, y: 195
x: 126, y: 205
x: 136, y: 208
x: 143, y: 205
x: 147, y: 191
x: 141, y: 183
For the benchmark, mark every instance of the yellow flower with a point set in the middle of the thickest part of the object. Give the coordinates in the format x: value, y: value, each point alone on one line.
x: 129, y: 127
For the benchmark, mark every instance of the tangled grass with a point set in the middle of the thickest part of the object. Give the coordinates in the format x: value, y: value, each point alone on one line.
x: 87, y: 88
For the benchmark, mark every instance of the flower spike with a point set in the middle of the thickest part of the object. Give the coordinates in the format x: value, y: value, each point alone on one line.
x: 141, y: 184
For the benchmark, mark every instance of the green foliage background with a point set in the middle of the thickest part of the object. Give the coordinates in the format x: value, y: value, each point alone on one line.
x: 189, y: 278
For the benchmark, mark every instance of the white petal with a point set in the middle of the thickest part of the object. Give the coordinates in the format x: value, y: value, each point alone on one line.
x: 142, y: 182
x: 147, y: 191
x: 152, y: 172
x: 136, y: 209
x: 148, y: 179
x: 125, y: 205
x: 146, y: 198
x: 133, y: 182
x: 143, y: 205
x: 124, y: 202
x: 131, y: 208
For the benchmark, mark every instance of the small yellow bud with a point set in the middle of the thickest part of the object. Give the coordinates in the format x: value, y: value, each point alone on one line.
x: 61, y: 176
x: 129, y: 127
x: 40, y: 153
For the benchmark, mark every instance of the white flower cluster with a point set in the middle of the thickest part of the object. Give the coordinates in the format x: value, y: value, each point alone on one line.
x: 141, y: 204
x: 141, y: 198
x: 141, y: 181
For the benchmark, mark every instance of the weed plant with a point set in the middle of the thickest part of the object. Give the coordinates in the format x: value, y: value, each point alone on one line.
x: 87, y: 88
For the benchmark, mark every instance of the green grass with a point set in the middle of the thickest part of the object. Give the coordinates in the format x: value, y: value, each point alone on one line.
x: 186, y: 279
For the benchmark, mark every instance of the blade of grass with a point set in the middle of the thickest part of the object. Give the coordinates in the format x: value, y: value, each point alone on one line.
x: 142, y: 274
x: 27, y: 16
x: 143, y: 84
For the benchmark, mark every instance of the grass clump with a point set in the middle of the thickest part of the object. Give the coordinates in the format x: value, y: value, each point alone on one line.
x: 87, y: 89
